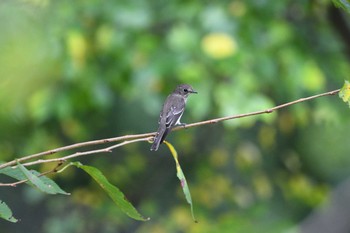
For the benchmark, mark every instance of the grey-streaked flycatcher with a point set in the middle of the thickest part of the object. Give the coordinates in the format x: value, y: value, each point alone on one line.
x: 173, y: 108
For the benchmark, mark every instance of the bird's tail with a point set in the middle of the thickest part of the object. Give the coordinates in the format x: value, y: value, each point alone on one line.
x: 159, y: 138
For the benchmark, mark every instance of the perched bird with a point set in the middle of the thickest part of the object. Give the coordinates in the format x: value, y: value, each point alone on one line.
x: 173, y: 108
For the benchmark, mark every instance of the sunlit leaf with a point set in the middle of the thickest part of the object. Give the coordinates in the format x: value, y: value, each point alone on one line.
x: 113, y: 192
x: 344, y: 4
x: 344, y: 93
x: 182, y: 178
x: 77, y: 47
x: 6, y: 213
x: 219, y: 45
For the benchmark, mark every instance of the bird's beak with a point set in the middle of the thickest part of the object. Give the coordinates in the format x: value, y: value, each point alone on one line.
x: 194, y: 92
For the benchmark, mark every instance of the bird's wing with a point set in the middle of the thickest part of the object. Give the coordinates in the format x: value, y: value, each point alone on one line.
x: 174, y: 114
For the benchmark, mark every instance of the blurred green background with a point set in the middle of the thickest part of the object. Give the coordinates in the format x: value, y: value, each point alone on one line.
x: 74, y: 71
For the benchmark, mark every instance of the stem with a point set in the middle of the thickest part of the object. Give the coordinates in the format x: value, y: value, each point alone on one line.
x: 216, y: 120
x: 78, y: 154
x: 141, y: 137
x: 73, y: 146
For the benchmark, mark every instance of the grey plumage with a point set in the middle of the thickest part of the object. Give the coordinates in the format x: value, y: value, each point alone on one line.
x: 172, y: 110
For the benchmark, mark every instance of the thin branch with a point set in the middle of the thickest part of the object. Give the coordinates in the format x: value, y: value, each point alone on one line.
x: 142, y: 137
x: 78, y: 154
x: 74, y: 146
x: 213, y: 121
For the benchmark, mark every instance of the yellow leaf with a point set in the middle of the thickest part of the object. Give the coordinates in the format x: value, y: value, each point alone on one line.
x: 219, y: 45
x: 344, y: 93
x: 77, y: 48
x: 182, y: 178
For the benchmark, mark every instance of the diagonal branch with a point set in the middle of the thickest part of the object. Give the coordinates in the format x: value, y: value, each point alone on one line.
x: 78, y: 154
x: 270, y: 110
x: 141, y: 137
x: 74, y: 146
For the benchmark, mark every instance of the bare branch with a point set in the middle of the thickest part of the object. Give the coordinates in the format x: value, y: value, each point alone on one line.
x: 65, y: 158
x: 140, y: 137
x: 77, y: 154
x: 76, y: 145
x: 216, y: 120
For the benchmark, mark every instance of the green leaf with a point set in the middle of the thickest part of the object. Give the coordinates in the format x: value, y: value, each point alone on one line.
x: 6, y: 213
x: 36, y: 181
x: 182, y: 178
x: 114, y: 193
x: 13, y: 172
x: 344, y: 93
x: 344, y: 4
x: 49, y: 182
x: 17, y: 173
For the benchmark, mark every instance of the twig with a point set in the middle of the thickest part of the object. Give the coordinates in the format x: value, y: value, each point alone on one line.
x: 77, y: 154
x: 213, y: 121
x: 76, y: 145
x: 142, y: 137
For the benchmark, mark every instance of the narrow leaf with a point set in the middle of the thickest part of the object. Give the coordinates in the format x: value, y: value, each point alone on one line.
x: 114, y: 193
x: 13, y: 172
x: 344, y: 93
x: 38, y: 183
x: 6, y: 213
x: 344, y: 4
x: 50, y: 183
x: 182, y: 178
x: 17, y: 173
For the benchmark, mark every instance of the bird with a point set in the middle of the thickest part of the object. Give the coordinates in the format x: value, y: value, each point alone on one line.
x: 171, y: 113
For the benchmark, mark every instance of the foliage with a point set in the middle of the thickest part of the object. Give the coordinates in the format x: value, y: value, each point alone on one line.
x: 344, y: 4
x: 182, y: 178
x: 345, y: 92
x: 116, y: 195
x: 85, y: 70
x: 6, y: 213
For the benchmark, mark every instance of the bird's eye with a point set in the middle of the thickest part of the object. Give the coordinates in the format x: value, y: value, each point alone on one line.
x: 185, y: 90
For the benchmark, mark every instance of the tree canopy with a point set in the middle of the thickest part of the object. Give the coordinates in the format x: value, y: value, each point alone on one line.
x: 75, y: 71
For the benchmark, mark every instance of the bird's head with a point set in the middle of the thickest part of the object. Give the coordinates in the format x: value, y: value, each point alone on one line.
x: 184, y: 89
